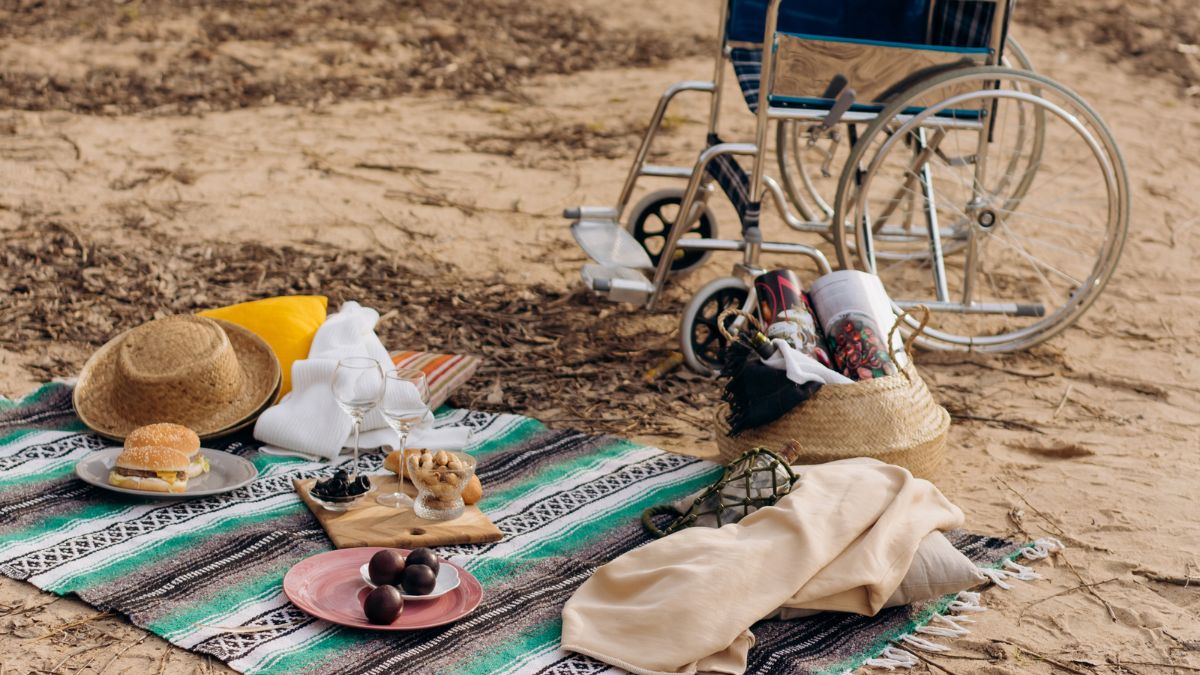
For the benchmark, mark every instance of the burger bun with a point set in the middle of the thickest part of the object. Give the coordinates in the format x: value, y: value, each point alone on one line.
x: 152, y: 458
x: 165, y: 435
x: 145, y: 483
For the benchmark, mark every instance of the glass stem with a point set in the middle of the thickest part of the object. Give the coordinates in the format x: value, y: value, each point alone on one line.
x: 404, y: 429
x: 357, y: 427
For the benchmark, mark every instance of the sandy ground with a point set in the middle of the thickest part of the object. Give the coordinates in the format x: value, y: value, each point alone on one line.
x: 1090, y: 438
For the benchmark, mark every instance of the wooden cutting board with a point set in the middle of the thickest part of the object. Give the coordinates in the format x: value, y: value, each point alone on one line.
x: 370, y: 524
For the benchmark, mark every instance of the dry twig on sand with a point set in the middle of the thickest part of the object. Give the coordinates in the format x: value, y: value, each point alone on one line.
x: 1164, y: 579
x: 1057, y: 528
x: 1038, y: 655
x: 1066, y: 395
x: 989, y: 366
x: 1150, y: 389
x: 926, y: 660
x: 1120, y: 662
x: 77, y: 652
x: 1064, y: 592
x: 406, y: 230
x: 122, y: 653
x: 395, y: 168
x: 428, y: 199
x: 72, y: 624
x: 1007, y: 424
x: 1089, y: 586
x: 74, y: 146
x: 22, y: 609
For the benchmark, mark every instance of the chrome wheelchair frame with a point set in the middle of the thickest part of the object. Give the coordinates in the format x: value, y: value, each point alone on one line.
x: 619, y: 272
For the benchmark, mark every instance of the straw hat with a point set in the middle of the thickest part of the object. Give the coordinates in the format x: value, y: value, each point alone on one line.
x: 206, y: 374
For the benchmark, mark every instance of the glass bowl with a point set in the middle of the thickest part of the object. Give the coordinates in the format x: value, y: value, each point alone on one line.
x: 339, y: 503
x: 440, y: 478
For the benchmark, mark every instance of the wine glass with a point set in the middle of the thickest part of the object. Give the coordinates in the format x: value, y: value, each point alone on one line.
x: 357, y: 387
x: 405, y: 404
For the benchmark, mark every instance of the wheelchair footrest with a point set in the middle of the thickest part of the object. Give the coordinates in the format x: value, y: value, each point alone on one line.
x: 619, y: 284
x: 609, y: 244
x: 590, y: 213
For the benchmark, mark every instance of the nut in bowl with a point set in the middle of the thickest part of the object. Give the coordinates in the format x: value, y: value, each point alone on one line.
x: 440, y: 478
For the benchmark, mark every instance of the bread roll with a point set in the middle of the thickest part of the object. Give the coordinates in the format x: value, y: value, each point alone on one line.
x: 473, y: 492
x: 392, y: 461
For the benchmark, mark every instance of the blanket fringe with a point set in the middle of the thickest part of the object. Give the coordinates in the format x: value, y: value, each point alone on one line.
x: 892, y: 658
x: 950, y: 624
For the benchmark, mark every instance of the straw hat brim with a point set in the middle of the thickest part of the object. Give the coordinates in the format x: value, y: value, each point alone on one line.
x: 249, y: 421
x: 94, y: 396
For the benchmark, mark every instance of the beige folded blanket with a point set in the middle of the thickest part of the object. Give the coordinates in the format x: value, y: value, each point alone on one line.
x: 843, y: 538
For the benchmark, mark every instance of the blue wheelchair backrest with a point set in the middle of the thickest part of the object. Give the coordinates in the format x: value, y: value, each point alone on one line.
x: 954, y: 23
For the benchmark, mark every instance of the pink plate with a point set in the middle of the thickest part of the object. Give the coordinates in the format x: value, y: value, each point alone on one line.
x: 329, y: 586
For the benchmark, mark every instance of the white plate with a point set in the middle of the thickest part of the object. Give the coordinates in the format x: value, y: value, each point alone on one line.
x: 227, y: 472
x: 447, y: 580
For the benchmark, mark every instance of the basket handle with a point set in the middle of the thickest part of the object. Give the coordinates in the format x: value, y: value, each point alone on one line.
x: 911, y: 338
x: 730, y: 311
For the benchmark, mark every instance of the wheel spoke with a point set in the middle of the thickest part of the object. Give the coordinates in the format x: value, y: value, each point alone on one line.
x: 1057, y: 215
x: 1037, y: 262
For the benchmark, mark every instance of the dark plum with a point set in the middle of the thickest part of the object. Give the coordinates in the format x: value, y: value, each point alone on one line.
x: 423, y: 556
x: 418, y: 580
x: 385, y: 567
x: 383, y: 605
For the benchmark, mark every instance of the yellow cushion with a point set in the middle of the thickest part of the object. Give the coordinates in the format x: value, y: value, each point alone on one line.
x: 287, y: 323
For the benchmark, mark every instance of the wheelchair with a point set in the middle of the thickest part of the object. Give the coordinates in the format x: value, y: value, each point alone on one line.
x: 914, y: 139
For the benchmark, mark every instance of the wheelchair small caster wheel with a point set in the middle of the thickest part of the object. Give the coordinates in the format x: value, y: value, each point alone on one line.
x: 703, y: 345
x: 651, y: 219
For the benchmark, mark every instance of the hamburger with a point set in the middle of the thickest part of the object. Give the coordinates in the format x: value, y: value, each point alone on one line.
x: 151, y: 468
x: 174, y: 436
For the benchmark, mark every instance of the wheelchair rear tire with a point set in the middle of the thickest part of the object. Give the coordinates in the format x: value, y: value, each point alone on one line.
x: 1035, y: 245
x: 702, y: 343
x: 651, y: 220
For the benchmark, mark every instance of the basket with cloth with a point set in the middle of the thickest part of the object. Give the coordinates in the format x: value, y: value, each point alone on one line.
x: 819, y: 415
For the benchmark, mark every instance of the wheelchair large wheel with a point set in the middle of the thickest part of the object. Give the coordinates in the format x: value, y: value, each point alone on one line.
x: 703, y: 345
x: 651, y: 219
x: 810, y: 167
x: 1035, y: 237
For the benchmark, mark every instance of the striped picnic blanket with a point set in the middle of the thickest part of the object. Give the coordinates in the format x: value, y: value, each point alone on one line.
x: 206, y: 573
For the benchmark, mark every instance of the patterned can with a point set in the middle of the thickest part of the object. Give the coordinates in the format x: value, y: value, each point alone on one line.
x: 856, y: 314
x: 785, y: 310
x: 859, y: 351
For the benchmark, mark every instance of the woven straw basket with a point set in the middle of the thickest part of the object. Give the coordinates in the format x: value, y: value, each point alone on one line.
x: 893, y: 419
